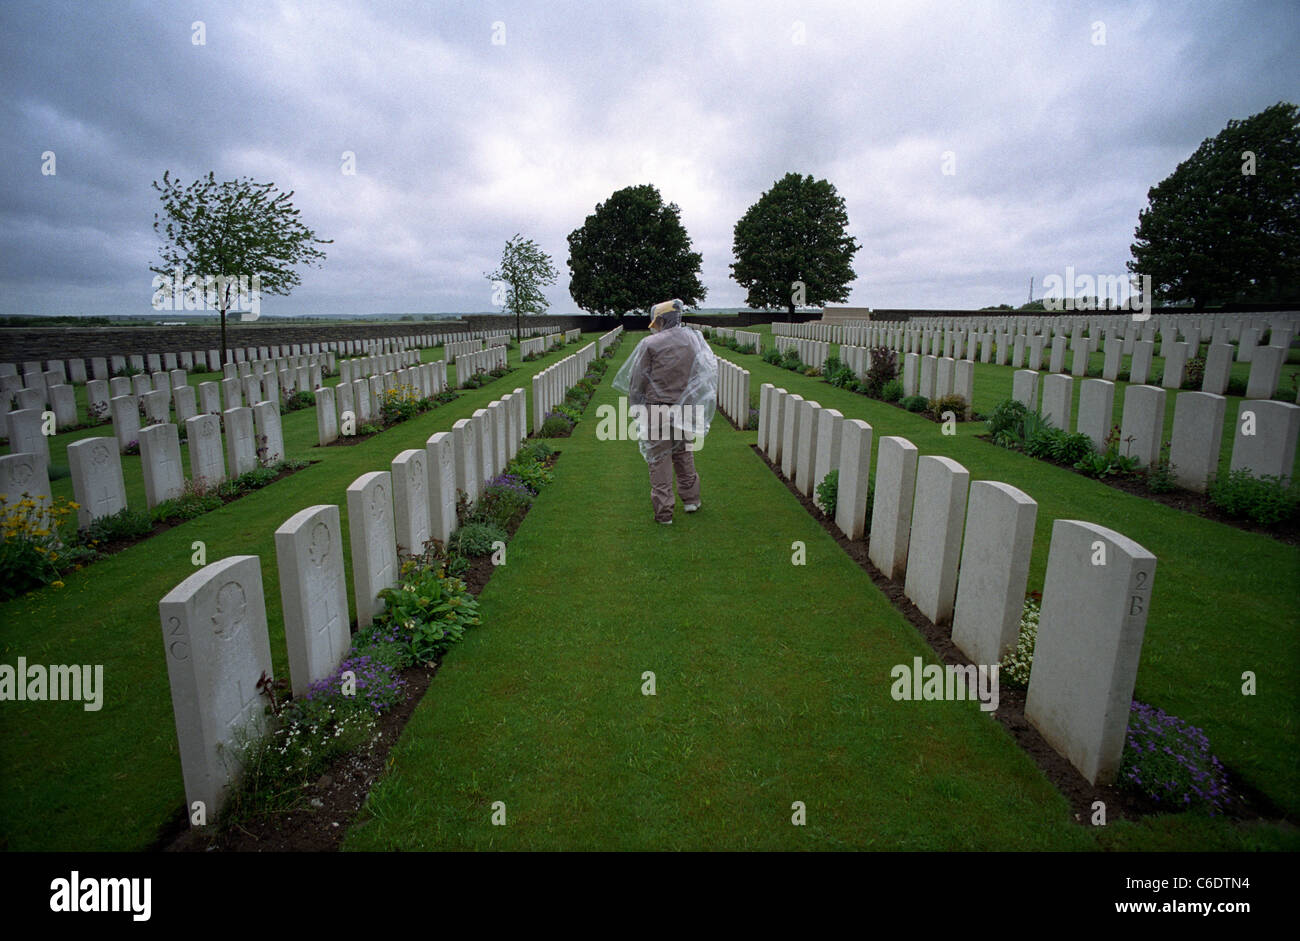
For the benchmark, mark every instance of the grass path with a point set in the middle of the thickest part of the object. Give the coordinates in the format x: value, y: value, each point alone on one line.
x: 1224, y: 602
x: 772, y: 687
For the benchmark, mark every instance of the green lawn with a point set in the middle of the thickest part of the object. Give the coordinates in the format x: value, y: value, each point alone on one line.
x: 1225, y: 601
x: 772, y: 679
x: 107, y: 780
x: 772, y: 687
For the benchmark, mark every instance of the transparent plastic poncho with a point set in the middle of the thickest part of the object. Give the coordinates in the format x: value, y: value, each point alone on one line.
x: 690, y: 412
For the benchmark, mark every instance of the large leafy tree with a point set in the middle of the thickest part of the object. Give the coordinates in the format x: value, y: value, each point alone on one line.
x: 224, y: 233
x: 631, y: 253
x: 1225, y: 225
x: 792, y: 247
x: 525, y: 269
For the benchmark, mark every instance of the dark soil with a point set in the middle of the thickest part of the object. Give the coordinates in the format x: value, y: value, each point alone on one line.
x: 326, y: 808
x: 481, y: 568
x: 1198, y: 504
x: 1246, y: 803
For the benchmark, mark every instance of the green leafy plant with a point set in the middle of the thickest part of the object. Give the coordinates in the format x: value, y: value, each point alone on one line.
x: 915, y: 403
x: 1266, y: 500
x: 475, y: 538
x: 883, y: 368
x: 503, y: 501
x: 556, y: 426
x: 298, y: 401
x: 892, y: 391
x: 948, y: 403
x: 1108, y: 462
x: 828, y: 492
x: 1160, y: 476
x: 123, y: 525
x: 429, y: 609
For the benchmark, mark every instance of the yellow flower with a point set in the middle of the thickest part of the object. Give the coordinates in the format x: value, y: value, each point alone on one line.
x: 57, y: 584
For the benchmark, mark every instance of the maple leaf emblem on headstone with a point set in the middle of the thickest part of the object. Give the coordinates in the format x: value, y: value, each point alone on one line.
x: 231, y: 607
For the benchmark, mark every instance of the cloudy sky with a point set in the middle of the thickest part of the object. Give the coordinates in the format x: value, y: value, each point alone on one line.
x: 470, y: 122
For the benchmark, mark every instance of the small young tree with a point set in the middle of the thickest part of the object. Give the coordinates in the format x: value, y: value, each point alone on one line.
x: 222, y: 234
x: 517, y: 284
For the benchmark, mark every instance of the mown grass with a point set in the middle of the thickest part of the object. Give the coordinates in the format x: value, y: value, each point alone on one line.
x: 1224, y: 601
x: 107, y: 780
x: 772, y: 686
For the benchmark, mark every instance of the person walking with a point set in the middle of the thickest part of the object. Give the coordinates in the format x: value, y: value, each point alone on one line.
x: 673, y: 375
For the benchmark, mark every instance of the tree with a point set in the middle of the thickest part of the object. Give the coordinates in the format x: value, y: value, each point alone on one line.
x: 792, y: 247
x: 632, y: 253
x: 1225, y: 225
x: 524, y: 270
x: 219, y: 235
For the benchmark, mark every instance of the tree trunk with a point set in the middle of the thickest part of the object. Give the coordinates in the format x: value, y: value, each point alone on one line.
x: 223, y: 337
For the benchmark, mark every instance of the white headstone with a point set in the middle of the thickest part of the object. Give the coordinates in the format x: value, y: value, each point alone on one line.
x: 241, y: 447
x: 1264, y: 439
x: 160, y: 460
x: 126, y: 420
x: 207, y: 459
x: 410, y: 476
x: 1198, y: 432
x: 855, y: 476
x: 1143, y: 420
x: 373, y: 542
x: 214, y: 634
x: 996, y: 552
x: 938, y: 514
x: 97, y: 483
x: 891, y: 507
x: 442, y: 485
x: 313, y: 593
x: 1095, y: 601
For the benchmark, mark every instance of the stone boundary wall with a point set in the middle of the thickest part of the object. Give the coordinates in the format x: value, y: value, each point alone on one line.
x: 19, y: 344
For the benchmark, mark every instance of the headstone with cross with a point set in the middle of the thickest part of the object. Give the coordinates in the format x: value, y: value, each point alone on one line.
x: 309, y: 556
x: 217, y: 650
x: 373, y: 542
x: 97, y: 482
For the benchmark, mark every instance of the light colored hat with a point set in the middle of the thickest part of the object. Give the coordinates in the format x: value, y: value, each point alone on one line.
x: 667, y: 314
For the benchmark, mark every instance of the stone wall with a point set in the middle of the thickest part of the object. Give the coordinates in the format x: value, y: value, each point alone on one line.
x: 20, y: 344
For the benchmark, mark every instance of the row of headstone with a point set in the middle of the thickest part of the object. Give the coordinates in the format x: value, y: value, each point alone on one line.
x: 1245, y: 329
x: 937, y: 376
x: 1264, y: 436
x: 454, y: 351
x: 551, y: 383
x: 469, y: 364
x: 733, y: 392
x: 606, y: 340
x: 534, y: 346
x: 572, y: 336
x: 963, y: 551
x: 811, y: 352
x: 214, y: 623
x: 342, y: 408
x: 363, y: 367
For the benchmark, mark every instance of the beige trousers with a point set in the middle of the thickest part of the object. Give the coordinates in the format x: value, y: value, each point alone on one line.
x: 665, y: 458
